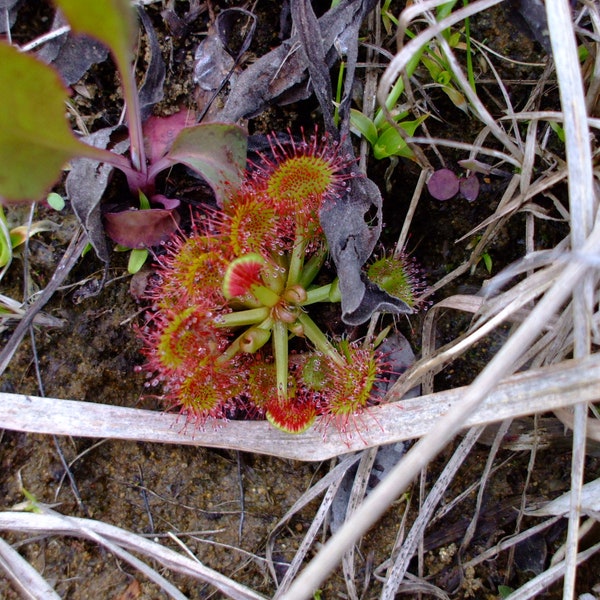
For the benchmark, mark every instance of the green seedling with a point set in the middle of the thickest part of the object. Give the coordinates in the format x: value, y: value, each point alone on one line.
x: 384, y: 138
x: 55, y: 201
x: 485, y: 256
x: 387, y: 17
x: 30, y: 504
x: 558, y: 130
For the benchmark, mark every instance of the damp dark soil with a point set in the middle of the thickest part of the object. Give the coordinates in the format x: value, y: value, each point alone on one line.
x: 220, y: 504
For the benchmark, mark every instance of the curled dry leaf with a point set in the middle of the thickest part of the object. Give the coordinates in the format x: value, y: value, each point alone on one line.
x: 85, y: 186
x: 71, y: 54
x: 352, y: 225
x: 152, y: 87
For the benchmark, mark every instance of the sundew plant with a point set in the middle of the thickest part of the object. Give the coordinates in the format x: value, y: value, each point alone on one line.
x: 230, y: 331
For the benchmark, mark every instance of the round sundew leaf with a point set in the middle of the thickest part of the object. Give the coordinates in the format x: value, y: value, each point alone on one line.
x: 252, y: 223
x: 204, y: 393
x: 395, y: 276
x: 315, y: 372
x: 443, y: 184
x: 177, y: 335
x: 261, y: 381
x: 195, y: 270
x: 242, y: 274
x: 352, y: 384
x: 292, y: 415
x: 299, y: 179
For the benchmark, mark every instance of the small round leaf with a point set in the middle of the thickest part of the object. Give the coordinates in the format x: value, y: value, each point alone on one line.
x: 443, y: 184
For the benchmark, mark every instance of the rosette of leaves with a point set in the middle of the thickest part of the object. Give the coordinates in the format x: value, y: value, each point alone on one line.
x: 231, y: 330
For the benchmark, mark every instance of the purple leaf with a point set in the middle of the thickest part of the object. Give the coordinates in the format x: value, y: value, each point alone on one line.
x: 469, y: 187
x: 142, y: 228
x: 443, y: 184
x: 159, y: 132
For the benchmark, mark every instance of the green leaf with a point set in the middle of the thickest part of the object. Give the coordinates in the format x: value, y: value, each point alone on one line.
x: 144, y: 202
x: 35, y: 138
x: 444, y: 77
x: 445, y: 9
x: 398, y: 87
x: 391, y: 143
x: 397, y: 118
x: 363, y: 125
x: 113, y: 23
x: 560, y: 132
x: 454, y: 39
x: 217, y: 151
x: 387, y: 17
x: 5, y: 243
x: 487, y: 261
x: 32, y: 504
x: 56, y: 201
x: 434, y: 68
x: 137, y: 258
x: 19, y: 235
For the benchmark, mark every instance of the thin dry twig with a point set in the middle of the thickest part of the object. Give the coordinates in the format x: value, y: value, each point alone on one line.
x: 118, y: 541
x: 24, y: 577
